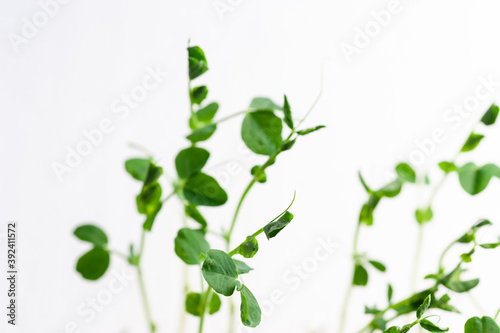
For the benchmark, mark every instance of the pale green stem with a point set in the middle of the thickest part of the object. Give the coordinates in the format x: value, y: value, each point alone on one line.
x: 347, y: 297
x: 498, y: 314
x: 205, y: 301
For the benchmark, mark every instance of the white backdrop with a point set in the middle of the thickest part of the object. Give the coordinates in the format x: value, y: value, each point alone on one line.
x: 384, y: 95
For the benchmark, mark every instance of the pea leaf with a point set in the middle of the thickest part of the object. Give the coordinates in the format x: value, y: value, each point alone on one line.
x: 93, y: 264
x: 250, y: 309
x: 288, y: 114
x: 154, y: 172
x: 360, y: 276
x: 472, y: 142
x: 195, y: 214
x: 461, y: 286
x: 263, y: 103
x: 259, y: 174
x: 490, y: 245
x: 138, y: 168
x: 242, y: 267
x: 273, y: 228
x: 149, y: 199
x: 92, y: 234
x: 190, y: 244
x: 431, y: 327
x: 197, y: 62
x: 190, y: 160
x: 261, y: 132
x: 389, y: 293
x: 249, y: 247
x: 424, y: 307
x: 366, y: 213
x: 193, y: 304
x: 151, y: 216
x: 310, y: 130
x: 423, y: 215
x: 202, y: 190
x: 483, y: 325
x: 490, y: 116
x: 202, y: 133
x: 220, y: 272
x: 198, y: 94
x: 447, y: 167
x: 475, y: 179
x: 393, y: 329
x: 378, y: 265
x: 406, y: 173
x: 214, y: 305
x: 390, y: 190
x: 207, y: 113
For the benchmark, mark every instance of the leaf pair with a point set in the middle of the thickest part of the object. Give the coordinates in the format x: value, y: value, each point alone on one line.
x: 93, y: 264
x: 149, y: 200
x: 221, y: 273
x: 198, y: 188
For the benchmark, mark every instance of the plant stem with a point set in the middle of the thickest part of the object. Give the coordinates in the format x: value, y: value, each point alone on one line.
x: 418, y: 254
x: 498, y: 314
x: 145, y: 300
x: 235, y: 216
x: 142, y: 285
x: 347, y: 298
x: 206, y: 296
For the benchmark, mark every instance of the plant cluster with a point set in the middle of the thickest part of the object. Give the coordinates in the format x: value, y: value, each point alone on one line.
x: 268, y: 129
x: 473, y: 179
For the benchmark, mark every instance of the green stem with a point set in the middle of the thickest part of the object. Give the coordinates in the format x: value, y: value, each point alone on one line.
x: 347, y: 297
x: 142, y: 284
x: 145, y: 300
x: 418, y: 254
x: 235, y: 216
x: 204, y: 303
x: 498, y: 314
x: 229, y: 117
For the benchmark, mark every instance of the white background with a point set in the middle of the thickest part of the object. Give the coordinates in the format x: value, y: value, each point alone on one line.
x: 394, y: 93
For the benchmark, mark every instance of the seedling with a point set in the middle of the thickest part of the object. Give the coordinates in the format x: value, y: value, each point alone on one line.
x: 267, y: 129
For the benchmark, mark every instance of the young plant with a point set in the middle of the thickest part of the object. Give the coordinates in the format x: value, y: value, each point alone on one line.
x: 473, y: 179
x: 262, y: 132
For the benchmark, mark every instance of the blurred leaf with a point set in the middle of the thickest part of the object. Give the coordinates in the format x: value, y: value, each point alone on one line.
x: 483, y: 325
x: 202, y: 133
x: 472, y: 142
x: 378, y: 265
x: 423, y: 215
x: 490, y: 116
x: 360, y: 276
x: 475, y: 179
x: 93, y: 264
x: 195, y: 214
x: 198, y: 94
x: 431, y: 327
x: 197, y: 62
x: 310, y: 130
x: 424, y: 307
x: 263, y: 103
x: 406, y: 173
x: 242, y: 267
x: 92, y: 234
x: 448, y: 167
x: 288, y: 114
x: 190, y: 245
x: 138, y: 168
x: 190, y: 160
x: 214, y: 305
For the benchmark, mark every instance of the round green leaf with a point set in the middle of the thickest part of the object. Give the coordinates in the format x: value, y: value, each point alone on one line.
x: 193, y: 304
x: 360, y: 276
x: 93, y: 264
x: 250, y: 309
x: 190, y: 160
x: 431, y: 327
x: 220, y: 272
x: 92, y: 234
x: 190, y: 244
x: 490, y: 116
x: 263, y: 103
x: 202, y: 190
x: 261, y: 132
x: 406, y: 173
x: 483, y: 325
x: 214, y: 304
x: 475, y: 179
x: 202, y: 133
x: 138, y: 168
